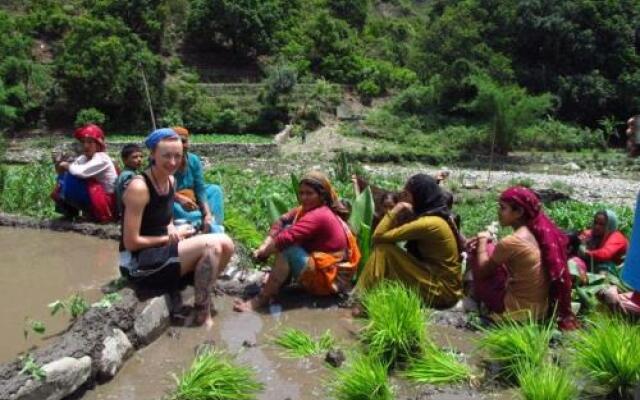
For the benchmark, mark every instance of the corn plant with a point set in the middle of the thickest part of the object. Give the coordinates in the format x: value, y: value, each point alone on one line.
x: 546, y: 382
x: 300, y: 344
x: 397, y: 322
x: 364, y: 378
x: 607, y: 353
x: 213, y: 376
x: 516, y: 345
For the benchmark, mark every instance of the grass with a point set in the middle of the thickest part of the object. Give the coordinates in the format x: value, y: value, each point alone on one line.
x: 212, y: 376
x: 607, y: 352
x: 365, y: 378
x: 396, y: 329
x: 516, y: 345
x: 300, y: 344
x: 436, y: 367
x: 201, y: 138
x: 546, y: 382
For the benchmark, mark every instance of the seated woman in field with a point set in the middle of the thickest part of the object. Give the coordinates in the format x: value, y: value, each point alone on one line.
x: 431, y: 262
x: 199, y: 203
x: 525, y: 274
x: 312, y: 245
x: 605, y: 244
x: 629, y: 302
x: 87, y: 184
x: 153, y: 252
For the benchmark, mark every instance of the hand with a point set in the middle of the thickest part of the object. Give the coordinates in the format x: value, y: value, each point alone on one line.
x: 483, y: 236
x: 402, y: 206
x: 63, y: 165
x: 259, y: 254
x: 185, y: 231
x: 174, y: 235
x: 186, y: 202
x: 207, y: 221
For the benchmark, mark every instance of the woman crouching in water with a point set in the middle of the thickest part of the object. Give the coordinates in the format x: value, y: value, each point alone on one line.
x: 154, y: 252
x: 312, y: 244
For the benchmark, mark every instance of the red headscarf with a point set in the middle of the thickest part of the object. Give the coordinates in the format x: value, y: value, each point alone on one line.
x: 553, y: 245
x: 91, y: 131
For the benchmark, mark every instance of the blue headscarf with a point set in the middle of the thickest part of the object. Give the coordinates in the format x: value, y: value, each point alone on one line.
x: 159, y: 134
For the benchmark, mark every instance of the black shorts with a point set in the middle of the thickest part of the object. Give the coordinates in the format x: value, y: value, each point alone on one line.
x: 155, y: 267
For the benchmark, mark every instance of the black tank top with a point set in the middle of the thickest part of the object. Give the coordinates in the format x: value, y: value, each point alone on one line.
x: 157, y: 214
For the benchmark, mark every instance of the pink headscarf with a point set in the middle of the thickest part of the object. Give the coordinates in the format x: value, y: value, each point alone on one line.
x: 91, y: 131
x: 553, y: 244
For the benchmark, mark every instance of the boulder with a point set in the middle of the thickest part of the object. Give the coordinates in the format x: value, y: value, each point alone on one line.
x: 117, y: 348
x: 153, y: 319
x: 63, y: 377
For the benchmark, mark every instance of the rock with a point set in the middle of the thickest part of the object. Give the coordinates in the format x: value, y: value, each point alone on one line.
x: 153, y: 319
x: 117, y: 348
x: 248, y: 344
x: 335, y: 357
x: 571, y: 166
x: 63, y: 377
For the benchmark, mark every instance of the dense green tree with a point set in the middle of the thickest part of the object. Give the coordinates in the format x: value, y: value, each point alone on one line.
x: 100, y: 67
x: 354, y: 12
x: 248, y: 27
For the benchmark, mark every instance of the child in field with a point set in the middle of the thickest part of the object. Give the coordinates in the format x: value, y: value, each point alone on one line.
x: 131, y: 155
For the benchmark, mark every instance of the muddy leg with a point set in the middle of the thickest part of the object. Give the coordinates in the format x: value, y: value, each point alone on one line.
x: 204, y: 277
x: 276, y: 279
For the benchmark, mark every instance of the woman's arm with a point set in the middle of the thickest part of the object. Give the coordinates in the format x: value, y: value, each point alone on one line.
x: 100, y: 162
x: 303, y: 229
x: 615, y: 245
x: 387, y: 233
x: 486, y: 266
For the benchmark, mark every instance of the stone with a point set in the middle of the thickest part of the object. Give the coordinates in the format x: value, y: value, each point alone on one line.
x: 248, y: 344
x: 204, y: 347
x: 335, y: 357
x: 571, y: 166
x: 63, y: 377
x: 117, y: 348
x: 153, y: 319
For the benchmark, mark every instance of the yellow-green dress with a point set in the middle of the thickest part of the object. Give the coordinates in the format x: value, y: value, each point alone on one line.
x: 438, y: 276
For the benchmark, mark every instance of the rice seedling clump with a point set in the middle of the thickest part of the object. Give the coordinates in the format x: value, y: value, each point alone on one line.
x: 299, y: 344
x: 396, y: 329
x: 437, y: 366
x: 546, y: 382
x: 516, y: 345
x: 212, y: 376
x: 608, y: 353
x: 365, y: 378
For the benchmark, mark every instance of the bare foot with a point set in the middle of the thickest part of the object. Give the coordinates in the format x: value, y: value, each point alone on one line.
x: 250, y: 305
x: 202, y: 317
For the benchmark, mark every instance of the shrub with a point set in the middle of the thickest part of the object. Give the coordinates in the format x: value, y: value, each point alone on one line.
x: 364, y: 378
x: 212, y: 376
x: 90, y: 116
x: 546, y: 382
x: 550, y: 134
x: 397, y: 322
x: 607, y: 352
x: 516, y: 345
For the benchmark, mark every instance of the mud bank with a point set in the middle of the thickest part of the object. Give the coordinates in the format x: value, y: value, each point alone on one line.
x: 106, y: 231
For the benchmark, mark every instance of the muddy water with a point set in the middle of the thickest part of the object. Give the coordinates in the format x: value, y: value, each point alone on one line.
x: 38, y: 267
x: 148, y: 375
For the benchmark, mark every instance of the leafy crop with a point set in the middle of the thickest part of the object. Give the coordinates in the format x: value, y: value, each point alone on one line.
x: 300, y: 344
x: 213, y: 376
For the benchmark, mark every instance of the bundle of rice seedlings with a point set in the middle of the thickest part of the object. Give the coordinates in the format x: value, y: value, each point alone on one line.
x: 515, y: 345
x: 212, y: 376
x: 546, y: 382
x: 608, y: 353
x: 300, y: 344
x: 437, y: 366
x: 397, y: 322
x: 364, y: 378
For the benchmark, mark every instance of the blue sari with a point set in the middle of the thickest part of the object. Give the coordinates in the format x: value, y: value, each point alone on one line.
x: 631, y: 270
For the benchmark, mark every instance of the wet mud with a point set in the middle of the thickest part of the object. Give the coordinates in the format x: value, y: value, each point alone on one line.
x: 38, y: 267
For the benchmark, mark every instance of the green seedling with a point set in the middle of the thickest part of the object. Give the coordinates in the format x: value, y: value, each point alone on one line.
x: 213, y: 376
x: 30, y: 367
x: 108, y: 300
x: 75, y: 305
x: 300, y: 344
x: 363, y: 378
x: 33, y: 325
x: 546, y: 382
x: 437, y: 366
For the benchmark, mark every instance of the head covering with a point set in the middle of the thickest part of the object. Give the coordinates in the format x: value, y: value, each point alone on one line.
x: 612, y: 221
x: 321, y: 183
x: 181, y: 131
x: 553, y: 245
x: 93, y: 132
x: 159, y: 134
x: 428, y: 198
x: 610, y: 226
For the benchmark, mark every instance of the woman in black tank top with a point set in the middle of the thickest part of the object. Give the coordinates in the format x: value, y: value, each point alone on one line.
x: 153, y: 251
